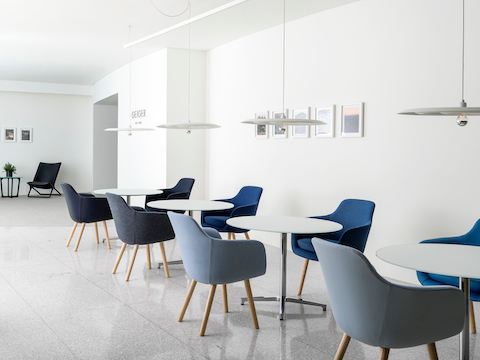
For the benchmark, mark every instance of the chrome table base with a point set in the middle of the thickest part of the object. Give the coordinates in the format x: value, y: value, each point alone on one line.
x: 465, y: 334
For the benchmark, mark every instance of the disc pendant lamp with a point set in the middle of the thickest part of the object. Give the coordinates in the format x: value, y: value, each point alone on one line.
x: 461, y: 112
x: 284, y: 120
x: 188, y: 125
x: 130, y: 129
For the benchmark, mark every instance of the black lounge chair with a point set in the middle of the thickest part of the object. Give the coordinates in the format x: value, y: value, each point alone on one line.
x: 45, y: 178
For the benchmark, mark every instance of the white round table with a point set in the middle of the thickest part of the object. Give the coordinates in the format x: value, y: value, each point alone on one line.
x: 284, y: 225
x: 190, y: 205
x: 128, y: 193
x: 461, y: 261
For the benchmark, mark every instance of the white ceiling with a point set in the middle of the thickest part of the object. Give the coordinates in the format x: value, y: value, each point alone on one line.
x: 79, y: 42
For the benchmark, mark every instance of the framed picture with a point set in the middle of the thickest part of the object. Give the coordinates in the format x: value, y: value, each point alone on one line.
x: 279, y: 131
x: 327, y: 115
x: 261, y: 131
x: 301, y: 131
x: 26, y: 135
x: 9, y: 134
x: 352, y: 120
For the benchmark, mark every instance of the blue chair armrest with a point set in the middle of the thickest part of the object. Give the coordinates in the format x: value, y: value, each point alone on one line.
x: 244, y: 210
x: 178, y: 195
x: 460, y: 240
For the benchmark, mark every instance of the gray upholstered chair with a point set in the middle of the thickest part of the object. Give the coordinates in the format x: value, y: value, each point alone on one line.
x: 139, y: 227
x: 377, y: 312
x: 210, y: 260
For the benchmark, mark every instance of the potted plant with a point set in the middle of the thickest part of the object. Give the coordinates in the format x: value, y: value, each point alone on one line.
x: 9, y: 169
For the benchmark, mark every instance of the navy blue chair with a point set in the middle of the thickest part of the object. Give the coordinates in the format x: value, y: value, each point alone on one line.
x: 45, y: 178
x: 356, y: 218
x: 427, y: 279
x: 139, y: 227
x: 86, y: 209
x: 182, y: 190
x: 245, y: 203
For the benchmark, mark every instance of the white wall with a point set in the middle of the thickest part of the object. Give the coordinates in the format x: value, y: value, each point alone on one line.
x: 421, y: 171
x: 105, y: 146
x: 62, y: 131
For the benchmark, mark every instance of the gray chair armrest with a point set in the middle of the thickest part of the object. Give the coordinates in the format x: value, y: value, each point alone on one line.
x: 212, y: 232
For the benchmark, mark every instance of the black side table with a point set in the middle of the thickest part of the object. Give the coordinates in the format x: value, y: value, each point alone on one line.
x: 10, y: 185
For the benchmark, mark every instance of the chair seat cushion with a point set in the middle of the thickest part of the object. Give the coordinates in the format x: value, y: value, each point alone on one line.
x: 38, y: 183
x: 217, y: 222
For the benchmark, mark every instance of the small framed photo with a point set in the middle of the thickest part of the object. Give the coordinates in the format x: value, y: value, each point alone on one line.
x: 301, y: 131
x: 26, y: 135
x: 9, y: 134
x: 279, y: 131
x: 326, y: 115
x: 352, y: 120
x: 261, y: 131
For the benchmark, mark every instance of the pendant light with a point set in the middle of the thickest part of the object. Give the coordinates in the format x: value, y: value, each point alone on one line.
x: 463, y: 110
x: 284, y: 120
x: 188, y: 125
x: 130, y: 128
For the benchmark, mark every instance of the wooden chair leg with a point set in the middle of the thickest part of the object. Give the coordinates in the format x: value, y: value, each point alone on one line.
x: 432, y: 351
x: 342, y: 347
x: 247, y: 236
x: 233, y: 236
x: 107, y: 236
x: 119, y: 258
x: 82, y: 229
x: 225, y: 297
x: 229, y: 237
x: 166, y: 271
x: 149, y: 259
x: 251, y: 303
x: 96, y: 233
x: 302, y: 278
x: 473, y: 323
x: 384, y: 353
x: 208, y: 307
x: 187, y: 300
x: 132, y: 261
x: 72, y: 232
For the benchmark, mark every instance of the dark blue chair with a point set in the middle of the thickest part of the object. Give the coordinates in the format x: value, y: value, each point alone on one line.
x: 45, y: 178
x: 245, y: 203
x: 84, y: 209
x: 427, y: 279
x: 182, y: 190
x: 356, y: 218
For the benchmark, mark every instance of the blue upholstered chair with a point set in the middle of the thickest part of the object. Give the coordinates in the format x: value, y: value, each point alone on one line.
x: 210, y: 260
x: 139, y: 227
x: 379, y: 313
x: 245, y: 203
x: 470, y: 238
x: 356, y: 219
x: 45, y: 178
x: 86, y: 209
x: 180, y: 191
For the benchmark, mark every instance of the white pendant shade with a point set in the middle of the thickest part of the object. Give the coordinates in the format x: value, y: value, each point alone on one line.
x: 189, y: 126
x: 283, y: 122
x: 443, y: 111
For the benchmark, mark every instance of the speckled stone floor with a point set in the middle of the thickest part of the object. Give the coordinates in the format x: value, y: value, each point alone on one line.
x: 58, y: 304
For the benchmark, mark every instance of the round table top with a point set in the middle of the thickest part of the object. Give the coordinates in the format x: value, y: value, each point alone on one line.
x: 128, y: 192
x: 190, y: 204
x: 284, y: 224
x: 443, y: 259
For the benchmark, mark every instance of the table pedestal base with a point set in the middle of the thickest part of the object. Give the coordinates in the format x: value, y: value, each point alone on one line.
x: 173, y: 262
x: 465, y: 334
x: 287, y: 299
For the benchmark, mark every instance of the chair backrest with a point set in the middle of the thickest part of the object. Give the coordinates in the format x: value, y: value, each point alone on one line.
x: 247, y: 195
x: 124, y: 218
x: 47, y: 172
x: 358, y: 294
x: 195, y: 246
x: 72, y: 199
x: 184, y: 185
x: 473, y: 236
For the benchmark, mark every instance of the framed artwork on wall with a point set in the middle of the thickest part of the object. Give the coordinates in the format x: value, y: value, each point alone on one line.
x: 352, y: 120
x: 261, y: 131
x: 26, y: 135
x: 300, y: 131
x: 327, y: 115
x: 9, y: 134
x: 279, y: 131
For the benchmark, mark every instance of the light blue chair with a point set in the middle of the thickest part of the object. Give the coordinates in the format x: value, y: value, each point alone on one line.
x: 379, y: 313
x: 210, y: 260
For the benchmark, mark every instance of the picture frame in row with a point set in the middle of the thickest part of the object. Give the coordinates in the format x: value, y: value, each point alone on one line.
x: 10, y: 135
x: 351, y: 123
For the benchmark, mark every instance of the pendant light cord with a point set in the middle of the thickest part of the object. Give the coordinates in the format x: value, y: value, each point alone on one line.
x: 283, y: 59
x: 189, y: 60
x: 130, y: 59
x: 463, y: 51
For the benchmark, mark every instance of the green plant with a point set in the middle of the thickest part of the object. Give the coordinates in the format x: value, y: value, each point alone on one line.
x: 9, y: 168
